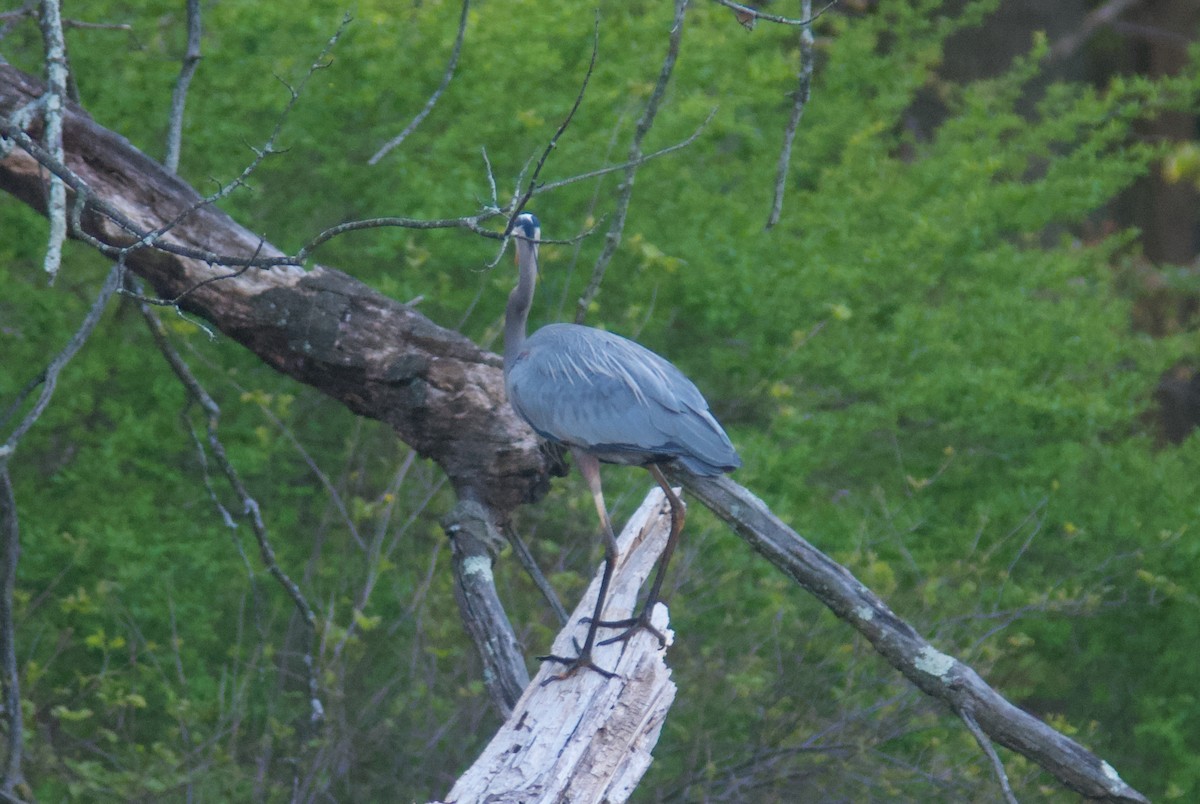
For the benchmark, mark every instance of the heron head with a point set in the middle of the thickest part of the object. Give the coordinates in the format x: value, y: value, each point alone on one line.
x: 526, y: 225
x: 527, y: 232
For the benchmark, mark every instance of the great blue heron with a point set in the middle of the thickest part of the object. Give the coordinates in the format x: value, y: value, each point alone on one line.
x: 609, y: 400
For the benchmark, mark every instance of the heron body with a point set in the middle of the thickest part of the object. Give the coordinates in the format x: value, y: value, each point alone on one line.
x: 610, y: 400
x: 604, y: 394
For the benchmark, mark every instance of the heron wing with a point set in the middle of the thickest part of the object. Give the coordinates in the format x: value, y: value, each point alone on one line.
x: 615, y: 398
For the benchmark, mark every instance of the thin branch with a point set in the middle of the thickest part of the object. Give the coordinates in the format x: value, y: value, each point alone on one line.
x: 589, y: 214
x: 268, y: 149
x: 191, y: 60
x: 799, y: 101
x: 141, y: 238
x: 315, y: 468
x: 51, y: 372
x: 990, y: 750
x: 433, y: 99
x: 174, y: 302
x: 250, y: 507
x: 535, y: 572
x: 10, y: 682
x: 375, y: 551
x: 474, y: 544
x: 472, y: 223
x: 97, y: 26
x: 9, y: 19
x: 50, y: 20
x: 629, y: 163
x: 1104, y: 15
x: 13, y: 130
x: 613, y: 239
x: 519, y: 206
x: 747, y: 12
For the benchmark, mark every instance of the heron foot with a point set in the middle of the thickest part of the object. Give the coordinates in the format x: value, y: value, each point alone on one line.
x: 574, y: 665
x: 632, y: 625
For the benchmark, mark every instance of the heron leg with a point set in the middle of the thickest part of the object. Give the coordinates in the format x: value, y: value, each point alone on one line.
x: 589, y: 467
x: 634, y: 624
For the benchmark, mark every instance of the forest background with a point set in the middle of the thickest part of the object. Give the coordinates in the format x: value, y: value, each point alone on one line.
x: 961, y: 364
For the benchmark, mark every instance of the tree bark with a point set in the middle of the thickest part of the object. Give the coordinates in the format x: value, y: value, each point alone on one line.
x: 474, y: 545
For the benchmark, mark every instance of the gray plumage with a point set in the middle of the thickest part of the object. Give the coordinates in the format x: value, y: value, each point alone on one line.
x: 611, y: 400
x: 616, y: 399
x: 602, y: 393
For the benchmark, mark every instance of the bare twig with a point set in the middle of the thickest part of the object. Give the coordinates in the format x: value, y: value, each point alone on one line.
x: 191, y: 59
x: 613, y: 239
x: 10, y: 531
x: 990, y: 750
x: 520, y: 203
x: 319, y: 63
x: 747, y: 12
x: 629, y: 163
x: 51, y: 372
x: 174, y: 302
x: 250, y: 507
x: 433, y: 99
x: 50, y: 20
x: 535, y: 572
x: 97, y: 26
x: 10, y: 547
x: 12, y: 130
x: 375, y: 550
x: 313, y: 466
x: 799, y: 101
x: 589, y: 215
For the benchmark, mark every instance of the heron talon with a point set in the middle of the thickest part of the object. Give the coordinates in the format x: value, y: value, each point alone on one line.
x: 631, y: 625
x: 583, y: 660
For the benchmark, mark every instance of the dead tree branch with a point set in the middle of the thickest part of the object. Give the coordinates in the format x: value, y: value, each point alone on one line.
x: 586, y: 734
x: 475, y: 542
x: 50, y: 20
x: 748, y: 15
x: 936, y: 674
x: 48, y: 379
x: 799, y: 101
x: 437, y: 93
x: 250, y: 507
x: 191, y: 60
x: 10, y: 548
x: 612, y: 240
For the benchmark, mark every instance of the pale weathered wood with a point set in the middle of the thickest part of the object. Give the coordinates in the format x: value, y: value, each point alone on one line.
x: 587, y: 738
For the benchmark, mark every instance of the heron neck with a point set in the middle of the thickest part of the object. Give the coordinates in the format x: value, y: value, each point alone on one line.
x: 519, y: 302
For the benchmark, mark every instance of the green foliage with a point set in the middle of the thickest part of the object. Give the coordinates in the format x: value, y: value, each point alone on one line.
x: 928, y: 367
